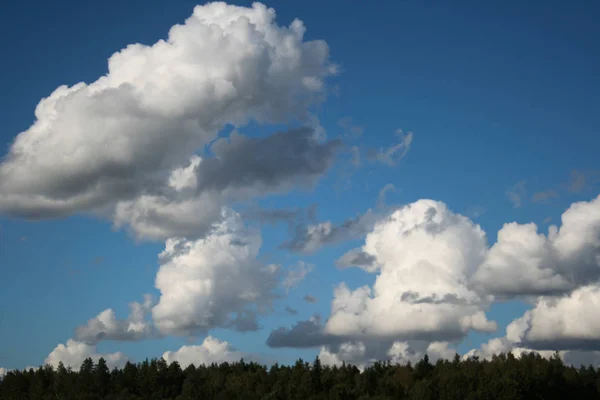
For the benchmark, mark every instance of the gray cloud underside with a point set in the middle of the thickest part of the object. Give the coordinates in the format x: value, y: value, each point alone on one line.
x: 310, y: 238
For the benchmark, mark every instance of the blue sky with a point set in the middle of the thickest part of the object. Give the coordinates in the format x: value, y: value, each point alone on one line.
x: 500, y: 98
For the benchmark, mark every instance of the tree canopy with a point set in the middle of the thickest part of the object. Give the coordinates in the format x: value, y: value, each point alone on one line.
x: 529, y: 376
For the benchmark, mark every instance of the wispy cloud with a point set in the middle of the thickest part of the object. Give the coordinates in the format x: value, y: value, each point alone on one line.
x: 517, y: 194
x: 475, y: 211
x: 310, y: 299
x: 296, y: 274
x: 393, y: 154
x: 545, y: 196
x: 291, y: 311
x: 351, y: 130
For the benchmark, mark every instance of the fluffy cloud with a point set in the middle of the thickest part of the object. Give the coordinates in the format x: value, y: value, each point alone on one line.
x: 105, y: 326
x: 403, y: 352
x: 212, y: 350
x: 3, y: 372
x: 503, y: 345
x: 162, y: 217
x: 118, y: 137
x: 426, y: 255
x: 349, y: 352
x: 523, y: 262
x: 436, y: 277
x: 214, y: 282
x: 566, y: 323
x: 362, y: 354
x: 74, y: 352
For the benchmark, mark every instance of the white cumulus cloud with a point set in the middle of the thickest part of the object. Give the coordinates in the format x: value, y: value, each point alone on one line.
x: 566, y: 322
x: 105, y: 326
x: 211, y: 350
x: 426, y: 255
x: 213, y: 282
x: 125, y: 133
x: 524, y: 262
x: 74, y: 352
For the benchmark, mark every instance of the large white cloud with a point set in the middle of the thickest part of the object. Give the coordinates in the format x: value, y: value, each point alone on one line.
x: 105, y: 326
x: 73, y: 353
x: 523, y: 262
x: 436, y: 277
x: 426, y: 255
x: 211, y: 350
x: 120, y: 136
x: 213, y: 282
x: 567, y: 323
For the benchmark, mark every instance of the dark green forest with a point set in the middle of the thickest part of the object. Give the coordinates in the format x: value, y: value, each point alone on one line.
x: 504, y: 377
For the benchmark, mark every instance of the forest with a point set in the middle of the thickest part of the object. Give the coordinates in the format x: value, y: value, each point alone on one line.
x: 505, y: 376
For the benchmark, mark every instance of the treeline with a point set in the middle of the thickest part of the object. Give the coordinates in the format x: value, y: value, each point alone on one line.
x: 504, y: 377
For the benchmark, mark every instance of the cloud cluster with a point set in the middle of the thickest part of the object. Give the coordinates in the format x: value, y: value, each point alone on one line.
x: 105, y: 326
x: 213, y: 282
x: 74, y: 352
x: 119, y: 137
x: 425, y: 255
x: 567, y: 322
x: 362, y: 354
x: 211, y: 350
x: 436, y: 277
x: 523, y: 262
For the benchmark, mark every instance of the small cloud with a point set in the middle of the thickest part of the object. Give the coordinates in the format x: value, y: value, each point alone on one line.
x: 310, y: 299
x: 98, y: 260
x: 543, y: 197
x: 355, y: 156
x: 475, y: 211
x: 351, y: 130
x: 517, y: 193
x: 23, y: 238
x: 381, y: 198
x: 296, y: 274
x: 547, y: 220
x: 393, y: 154
x: 291, y: 311
x: 576, y: 182
x: 580, y: 181
x: 72, y: 272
